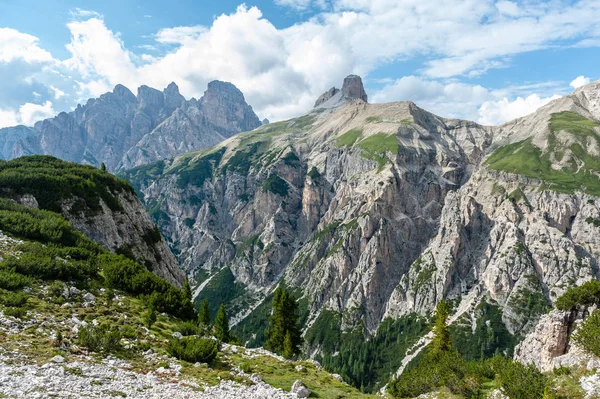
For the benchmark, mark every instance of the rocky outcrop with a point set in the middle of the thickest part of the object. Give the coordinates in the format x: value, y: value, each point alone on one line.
x: 352, y: 90
x: 129, y: 231
x: 549, y: 345
x: 123, y: 130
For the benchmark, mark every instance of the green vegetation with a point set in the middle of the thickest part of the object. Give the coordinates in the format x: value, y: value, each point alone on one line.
x: 276, y: 185
x: 221, y: 328
x: 526, y: 159
x: 364, y: 362
x: 193, y: 349
x: 588, y: 333
x: 51, y: 181
x: 199, y: 169
x: 204, y: 315
x: 284, y: 334
x: 349, y: 138
x: 221, y: 289
x: 490, y: 336
x: 375, y: 147
x: 99, y: 339
x: 586, y: 294
x: 314, y: 173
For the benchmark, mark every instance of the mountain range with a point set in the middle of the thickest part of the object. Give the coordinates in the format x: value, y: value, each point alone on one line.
x: 376, y: 211
x: 122, y: 130
x: 370, y: 214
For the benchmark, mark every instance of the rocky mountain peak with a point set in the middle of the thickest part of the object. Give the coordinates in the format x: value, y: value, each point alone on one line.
x: 123, y: 92
x: 352, y: 89
x: 173, y: 98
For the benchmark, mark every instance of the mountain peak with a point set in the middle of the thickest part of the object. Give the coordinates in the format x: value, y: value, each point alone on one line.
x: 352, y: 89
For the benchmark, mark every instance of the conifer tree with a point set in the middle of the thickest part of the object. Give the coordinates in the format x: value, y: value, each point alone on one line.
x: 284, y: 325
x: 440, y: 343
x: 222, y: 325
x: 103, y: 167
x: 288, y: 346
x: 187, y: 290
x: 204, y: 314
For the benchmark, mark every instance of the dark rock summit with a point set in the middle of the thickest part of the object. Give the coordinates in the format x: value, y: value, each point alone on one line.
x: 352, y: 90
x: 123, y: 130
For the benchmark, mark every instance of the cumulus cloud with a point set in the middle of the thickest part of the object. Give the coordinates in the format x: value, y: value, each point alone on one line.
x: 27, y: 114
x: 282, y: 71
x: 488, y: 107
x: 15, y: 45
x: 497, y: 112
x: 579, y: 81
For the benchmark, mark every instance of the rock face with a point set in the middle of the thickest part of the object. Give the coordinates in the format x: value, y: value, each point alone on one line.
x: 352, y: 90
x: 123, y: 130
x: 381, y: 210
x: 129, y: 231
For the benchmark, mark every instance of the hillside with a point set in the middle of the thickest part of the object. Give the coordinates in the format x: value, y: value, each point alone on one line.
x: 77, y: 321
x: 373, y: 213
x: 123, y: 130
x: 96, y: 203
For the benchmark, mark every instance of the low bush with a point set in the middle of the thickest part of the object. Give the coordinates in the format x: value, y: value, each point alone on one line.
x: 125, y: 274
x: 193, y: 349
x: 15, y: 312
x: 99, y: 339
x: 585, y: 295
x: 588, y: 334
x: 13, y: 299
x: 522, y: 382
x: 10, y: 280
x: 187, y: 328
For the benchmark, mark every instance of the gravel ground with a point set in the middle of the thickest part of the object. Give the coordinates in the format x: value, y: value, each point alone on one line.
x: 84, y: 380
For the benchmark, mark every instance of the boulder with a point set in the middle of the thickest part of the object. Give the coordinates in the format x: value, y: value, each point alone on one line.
x: 300, y: 389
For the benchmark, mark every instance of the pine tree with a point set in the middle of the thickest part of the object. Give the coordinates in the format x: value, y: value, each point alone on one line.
x: 284, y: 322
x: 150, y: 317
x: 288, y: 346
x: 222, y: 325
x: 204, y: 314
x: 440, y: 343
x: 275, y: 334
x: 103, y: 167
x: 187, y: 290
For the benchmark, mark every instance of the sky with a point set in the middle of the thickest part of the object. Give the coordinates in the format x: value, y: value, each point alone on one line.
x: 485, y: 60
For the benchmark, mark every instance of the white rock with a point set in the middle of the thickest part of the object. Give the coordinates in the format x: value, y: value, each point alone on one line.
x: 57, y: 359
x: 89, y: 297
x: 177, y: 335
x: 300, y: 368
x: 300, y: 389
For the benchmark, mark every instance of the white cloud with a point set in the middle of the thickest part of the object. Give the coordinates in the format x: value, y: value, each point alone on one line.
x: 8, y: 117
x: 81, y: 13
x: 282, y: 71
x: 497, y: 112
x: 488, y: 107
x: 27, y: 114
x: 58, y: 94
x: 179, y: 34
x: 15, y: 45
x: 295, y: 4
x: 579, y: 81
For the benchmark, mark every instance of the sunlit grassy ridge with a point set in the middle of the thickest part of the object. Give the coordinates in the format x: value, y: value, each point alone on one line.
x: 580, y: 171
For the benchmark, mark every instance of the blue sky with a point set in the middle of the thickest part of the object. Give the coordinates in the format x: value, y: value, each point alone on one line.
x: 484, y: 60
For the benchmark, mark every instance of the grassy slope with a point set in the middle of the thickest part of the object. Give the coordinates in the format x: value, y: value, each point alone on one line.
x: 525, y: 159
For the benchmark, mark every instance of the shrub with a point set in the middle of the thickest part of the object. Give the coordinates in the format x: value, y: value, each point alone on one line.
x: 522, y: 382
x: 584, y: 295
x: 276, y: 185
x: 188, y: 328
x: 56, y: 289
x: 193, y: 349
x: 13, y: 299
x: 99, y: 339
x: 588, y: 333
x: 15, y: 312
x: 128, y: 332
x: 10, y: 280
x: 125, y: 274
